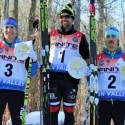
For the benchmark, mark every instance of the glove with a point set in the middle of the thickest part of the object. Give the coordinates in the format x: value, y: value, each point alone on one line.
x: 87, y: 71
x: 32, y: 54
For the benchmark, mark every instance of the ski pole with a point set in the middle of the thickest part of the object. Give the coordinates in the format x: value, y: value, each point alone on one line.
x: 93, y: 65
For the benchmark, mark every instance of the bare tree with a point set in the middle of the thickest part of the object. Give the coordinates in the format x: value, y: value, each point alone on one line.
x: 76, y: 6
x: 100, y: 27
x: 123, y: 24
x: 52, y: 14
x: 0, y: 9
x: 14, y: 11
x: 4, y: 9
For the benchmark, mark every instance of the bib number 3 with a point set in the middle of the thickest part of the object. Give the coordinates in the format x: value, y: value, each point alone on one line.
x: 9, y: 67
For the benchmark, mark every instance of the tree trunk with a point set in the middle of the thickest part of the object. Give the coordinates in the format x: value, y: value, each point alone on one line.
x: 123, y: 25
x: 76, y: 7
x: 100, y: 35
x: 4, y: 9
x: 14, y: 12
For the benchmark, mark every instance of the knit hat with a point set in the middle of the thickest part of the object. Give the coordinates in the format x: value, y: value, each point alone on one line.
x: 10, y: 21
x: 36, y: 24
x: 68, y: 9
x: 112, y: 31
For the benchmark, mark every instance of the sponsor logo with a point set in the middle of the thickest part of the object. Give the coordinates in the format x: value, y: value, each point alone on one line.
x: 101, y: 63
x: 65, y: 45
x: 52, y: 96
x: 60, y: 36
x: 54, y: 37
x: 6, y: 50
x: 75, y: 39
x: 108, y: 70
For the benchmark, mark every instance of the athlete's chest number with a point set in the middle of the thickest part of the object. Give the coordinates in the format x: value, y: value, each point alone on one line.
x: 61, y: 55
x: 9, y: 67
x: 112, y: 79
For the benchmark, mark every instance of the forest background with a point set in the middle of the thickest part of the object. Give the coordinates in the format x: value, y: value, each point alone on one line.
x: 108, y: 13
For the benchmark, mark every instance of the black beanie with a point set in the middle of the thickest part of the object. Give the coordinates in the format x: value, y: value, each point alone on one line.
x: 36, y: 24
x: 68, y: 9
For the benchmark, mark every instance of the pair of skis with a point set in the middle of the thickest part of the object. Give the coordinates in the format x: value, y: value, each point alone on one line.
x: 45, y: 80
x: 93, y: 79
x: 23, y: 111
x: 44, y: 72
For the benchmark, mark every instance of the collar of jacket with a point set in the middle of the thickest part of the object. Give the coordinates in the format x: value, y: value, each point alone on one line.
x: 112, y: 53
x: 71, y: 31
x: 12, y: 45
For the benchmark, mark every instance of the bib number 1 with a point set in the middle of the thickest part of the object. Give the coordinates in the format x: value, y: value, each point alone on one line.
x: 61, y: 55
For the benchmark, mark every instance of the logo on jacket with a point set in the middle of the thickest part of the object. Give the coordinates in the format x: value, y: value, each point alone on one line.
x: 60, y: 36
x: 101, y: 63
x: 108, y: 62
x: 6, y: 50
x: 77, y: 34
x: 75, y: 39
x: 99, y: 57
x: 54, y: 37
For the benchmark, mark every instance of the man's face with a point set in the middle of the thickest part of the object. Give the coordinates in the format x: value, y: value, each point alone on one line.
x: 66, y: 20
x: 111, y: 42
x: 9, y: 33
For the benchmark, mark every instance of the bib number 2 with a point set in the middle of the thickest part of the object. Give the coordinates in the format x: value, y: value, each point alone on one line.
x: 112, y: 79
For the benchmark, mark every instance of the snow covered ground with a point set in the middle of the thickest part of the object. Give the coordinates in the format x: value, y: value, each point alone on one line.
x: 33, y: 118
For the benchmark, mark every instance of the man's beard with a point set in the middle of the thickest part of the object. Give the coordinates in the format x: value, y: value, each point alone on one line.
x: 65, y: 24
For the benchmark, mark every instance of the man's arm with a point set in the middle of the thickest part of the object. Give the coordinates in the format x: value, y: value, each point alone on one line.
x: 84, y: 49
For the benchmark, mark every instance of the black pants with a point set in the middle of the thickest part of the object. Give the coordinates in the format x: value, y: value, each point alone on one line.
x: 15, y: 100
x: 66, y: 90
x: 111, y: 110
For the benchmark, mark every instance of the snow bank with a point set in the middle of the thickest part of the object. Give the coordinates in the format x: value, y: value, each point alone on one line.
x: 33, y: 118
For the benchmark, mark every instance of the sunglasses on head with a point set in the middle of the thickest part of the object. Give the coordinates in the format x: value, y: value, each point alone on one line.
x: 108, y: 36
x: 65, y: 16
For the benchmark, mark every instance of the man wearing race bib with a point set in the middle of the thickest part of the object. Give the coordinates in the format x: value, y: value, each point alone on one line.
x: 13, y: 72
x: 65, y: 43
x: 111, y: 83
